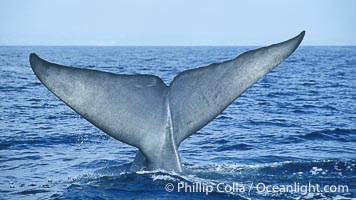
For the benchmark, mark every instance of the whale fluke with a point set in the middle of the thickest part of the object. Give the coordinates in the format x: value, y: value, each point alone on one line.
x: 142, y: 111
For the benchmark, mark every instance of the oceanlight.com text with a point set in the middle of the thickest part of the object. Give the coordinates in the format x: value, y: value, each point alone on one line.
x: 260, y: 187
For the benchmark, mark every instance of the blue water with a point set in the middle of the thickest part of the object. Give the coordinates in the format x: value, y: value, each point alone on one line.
x: 296, y: 125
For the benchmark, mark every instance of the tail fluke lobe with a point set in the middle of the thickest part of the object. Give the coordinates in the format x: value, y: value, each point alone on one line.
x: 197, y: 96
x: 127, y: 107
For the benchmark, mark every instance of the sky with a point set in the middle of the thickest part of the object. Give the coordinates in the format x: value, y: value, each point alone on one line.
x: 176, y: 22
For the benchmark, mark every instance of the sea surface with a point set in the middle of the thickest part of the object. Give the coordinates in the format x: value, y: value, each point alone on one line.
x: 295, y: 127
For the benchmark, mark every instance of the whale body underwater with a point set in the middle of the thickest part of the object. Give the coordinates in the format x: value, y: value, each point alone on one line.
x: 142, y: 111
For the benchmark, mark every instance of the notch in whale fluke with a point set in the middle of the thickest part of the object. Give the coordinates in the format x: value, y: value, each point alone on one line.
x: 142, y: 111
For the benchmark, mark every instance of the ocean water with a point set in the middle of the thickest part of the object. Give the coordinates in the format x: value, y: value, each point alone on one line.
x: 295, y: 127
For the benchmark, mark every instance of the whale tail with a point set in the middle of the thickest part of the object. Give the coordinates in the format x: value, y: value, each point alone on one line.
x: 142, y: 111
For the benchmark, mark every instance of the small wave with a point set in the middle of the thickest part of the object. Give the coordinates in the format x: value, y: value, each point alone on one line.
x: 241, y: 147
x: 309, y: 106
x: 224, y: 118
x: 27, y: 192
x: 12, y: 88
x: 149, y: 59
x: 221, y: 141
x: 342, y: 135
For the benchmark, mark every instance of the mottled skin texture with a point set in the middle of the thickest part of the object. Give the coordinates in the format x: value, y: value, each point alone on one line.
x: 142, y: 111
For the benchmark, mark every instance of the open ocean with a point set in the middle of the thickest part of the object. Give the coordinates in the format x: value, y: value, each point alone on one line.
x: 296, y: 126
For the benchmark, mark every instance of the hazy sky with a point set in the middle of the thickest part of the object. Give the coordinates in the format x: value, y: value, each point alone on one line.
x: 176, y: 22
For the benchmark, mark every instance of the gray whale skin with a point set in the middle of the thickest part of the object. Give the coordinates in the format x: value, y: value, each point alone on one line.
x: 142, y: 111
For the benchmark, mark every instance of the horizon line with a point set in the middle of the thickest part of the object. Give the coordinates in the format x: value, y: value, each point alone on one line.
x: 105, y: 45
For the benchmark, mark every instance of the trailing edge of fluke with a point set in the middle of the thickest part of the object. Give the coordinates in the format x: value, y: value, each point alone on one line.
x: 142, y: 111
